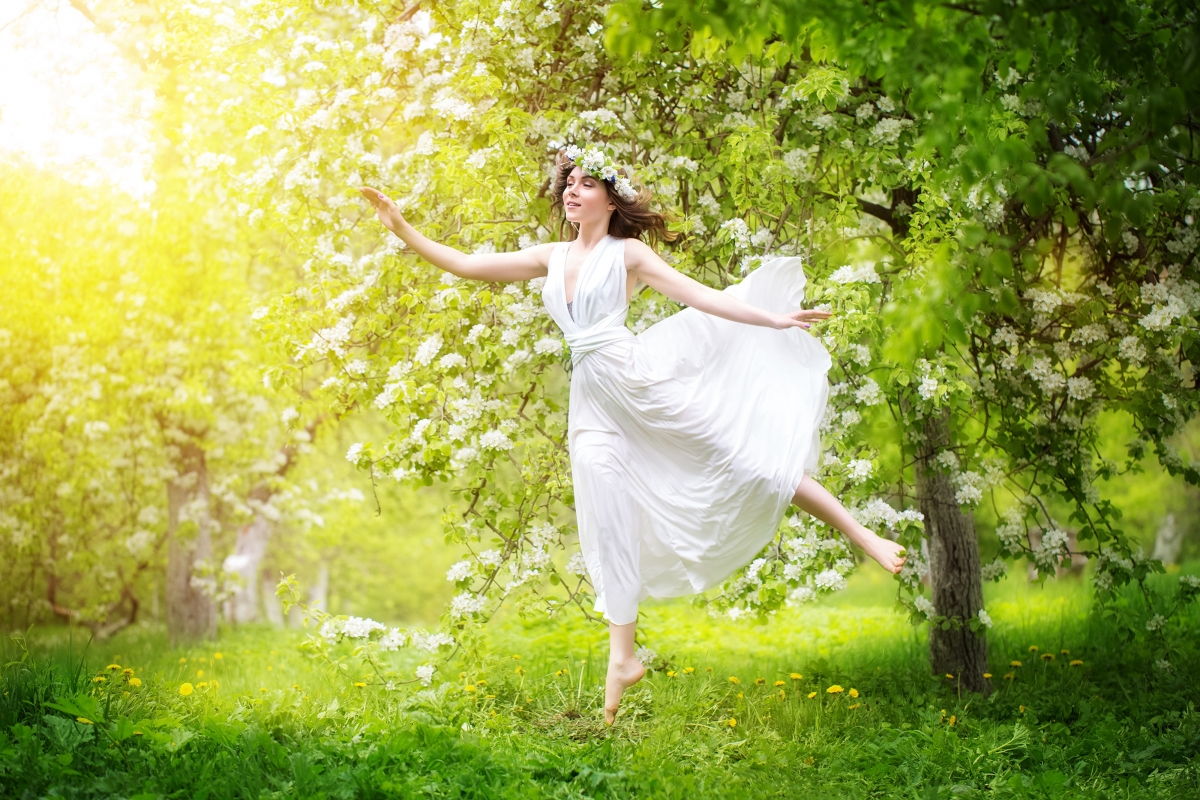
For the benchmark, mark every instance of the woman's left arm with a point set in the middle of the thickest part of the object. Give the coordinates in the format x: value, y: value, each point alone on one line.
x: 651, y: 270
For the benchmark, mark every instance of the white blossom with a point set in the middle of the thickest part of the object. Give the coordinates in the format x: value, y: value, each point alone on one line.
x: 985, y: 618
x: 860, y: 469
x: 829, y: 580
x: 354, y: 453
x: 459, y: 571
x: 451, y: 361
x: 360, y: 628
x: 428, y: 349
x: 495, y: 440
x: 425, y: 674
x: 465, y: 604
x: 645, y: 656
x: 924, y: 605
x: 868, y: 394
x: 863, y: 273
x: 995, y: 570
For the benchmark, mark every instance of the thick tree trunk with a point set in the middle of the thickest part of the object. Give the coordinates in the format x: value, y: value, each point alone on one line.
x: 955, y: 578
x: 191, y: 609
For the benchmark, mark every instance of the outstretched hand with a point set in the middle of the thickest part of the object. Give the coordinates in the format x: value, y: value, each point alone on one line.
x: 800, y: 318
x: 387, y: 211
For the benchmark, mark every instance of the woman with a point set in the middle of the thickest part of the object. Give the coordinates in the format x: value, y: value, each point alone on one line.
x: 687, y: 441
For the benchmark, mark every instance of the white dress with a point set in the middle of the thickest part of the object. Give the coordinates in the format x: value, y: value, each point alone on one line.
x: 688, y: 440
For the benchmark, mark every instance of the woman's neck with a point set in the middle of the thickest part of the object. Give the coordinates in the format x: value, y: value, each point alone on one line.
x: 591, y: 235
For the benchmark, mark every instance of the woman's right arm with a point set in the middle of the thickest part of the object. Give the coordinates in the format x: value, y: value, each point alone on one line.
x: 521, y: 265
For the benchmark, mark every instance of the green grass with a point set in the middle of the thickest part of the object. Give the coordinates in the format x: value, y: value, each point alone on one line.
x: 277, y: 726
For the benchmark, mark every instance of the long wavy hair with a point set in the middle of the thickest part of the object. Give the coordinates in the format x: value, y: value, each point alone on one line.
x: 632, y: 219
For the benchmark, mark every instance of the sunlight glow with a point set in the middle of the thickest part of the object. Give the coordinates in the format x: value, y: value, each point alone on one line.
x: 69, y: 101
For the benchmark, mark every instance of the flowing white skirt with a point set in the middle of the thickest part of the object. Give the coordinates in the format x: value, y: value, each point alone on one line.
x: 688, y: 441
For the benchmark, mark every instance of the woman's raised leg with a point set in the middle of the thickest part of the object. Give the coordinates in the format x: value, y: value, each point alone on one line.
x: 815, y: 499
x: 624, y: 670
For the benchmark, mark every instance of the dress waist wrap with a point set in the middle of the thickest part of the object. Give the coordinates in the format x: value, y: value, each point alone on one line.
x: 607, y: 331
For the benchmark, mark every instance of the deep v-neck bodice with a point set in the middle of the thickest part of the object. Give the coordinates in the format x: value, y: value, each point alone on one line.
x: 596, y: 315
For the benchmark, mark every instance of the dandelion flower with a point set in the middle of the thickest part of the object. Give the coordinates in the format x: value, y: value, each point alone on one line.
x: 1077, y: 663
x: 99, y: 679
x: 128, y: 673
x: 732, y: 723
x: 948, y: 675
x: 856, y: 705
x: 516, y: 658
x: 262, y: 689
x: 200, y: 673
x: 1014, y: 663
x: 953, y: 719
x: 185, y: 689
x: 135, y: 681
x: 759, y: 681
x: 688, y: 670
x: 835, y: 689
x: 811, y: 695
x: 782, y: 694
x: 708, y: 669
x: 1064, y: 652
x: 469, y: 688
x: 360, y: 684
x: 854, y: 692
x: 1047, y: 656
x: 217, y: 655
x: 670, y: 673
x: 520, y: 670
x: 1008, y: 676
x: 796, y: 676
x: 113, y: 667
x: 1033, y: 648
x: 1022, y: 709
x: 182, y: 659
x: 84, y: 720
x: 201, y: 684
x: 987, y: 676
x: 734, y: 679
x: 781, y: 683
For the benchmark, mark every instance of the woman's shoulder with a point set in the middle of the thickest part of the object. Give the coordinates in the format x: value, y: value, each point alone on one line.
x: 634, y: 251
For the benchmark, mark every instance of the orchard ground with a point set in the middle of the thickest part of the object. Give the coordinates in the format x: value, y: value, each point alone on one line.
x: 830, y: 700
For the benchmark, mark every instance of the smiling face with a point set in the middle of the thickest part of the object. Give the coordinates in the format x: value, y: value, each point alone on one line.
x: 585, y: 199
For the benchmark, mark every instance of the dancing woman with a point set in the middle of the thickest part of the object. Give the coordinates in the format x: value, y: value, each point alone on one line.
x: 687, y: 441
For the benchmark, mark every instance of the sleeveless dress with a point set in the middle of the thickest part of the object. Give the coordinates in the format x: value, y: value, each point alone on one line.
x: 688, y: 440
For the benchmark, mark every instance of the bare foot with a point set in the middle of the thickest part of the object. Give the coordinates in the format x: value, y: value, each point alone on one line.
x: 889, y: 554
x: 621, y: 675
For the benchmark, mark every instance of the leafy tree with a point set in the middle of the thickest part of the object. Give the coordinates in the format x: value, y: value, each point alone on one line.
x: 1040, y: 206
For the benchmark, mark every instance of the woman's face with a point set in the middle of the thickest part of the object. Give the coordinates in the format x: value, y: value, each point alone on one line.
x: 586, y: 198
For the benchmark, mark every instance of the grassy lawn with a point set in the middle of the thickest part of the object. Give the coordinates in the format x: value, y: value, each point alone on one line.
x: 726, y: 716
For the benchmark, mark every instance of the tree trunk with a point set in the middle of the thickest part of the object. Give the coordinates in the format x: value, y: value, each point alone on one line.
x: 245, y: 562
x: 191, y: 609
x: 955, y: 578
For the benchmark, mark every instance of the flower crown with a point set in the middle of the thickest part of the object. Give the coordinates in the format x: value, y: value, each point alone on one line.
x: 595, y: 162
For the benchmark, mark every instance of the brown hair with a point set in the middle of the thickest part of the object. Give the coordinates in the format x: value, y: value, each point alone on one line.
x: 631, y: 219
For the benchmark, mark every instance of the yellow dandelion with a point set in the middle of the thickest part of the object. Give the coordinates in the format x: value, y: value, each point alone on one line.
x: 128, y: 673
x: 185, y: 689
x: 1077, y: 663
x: 854, y: 692
x: 520, y: 670
x: 835, y: 689
x: 295, y: 686
x: 468, y: 688
x: 360, y: 684
x: 200, y: 673
x: 113, y: 667
x: 135, y: 681
x: 1064, y: 652
x: 1014, y: 663
x: 1008, y: 676
x: 516, y: 658
x: 1022, y: 709
x: 670, y: 673
x: 953, y: 719
x: 217, y: 655
x: 811, y: 695
x: 740, y: 695
x: 269, y: 669
x: 464, y: 675
x: 781, y: 683
x: 948, y: 675
x: 214, y: 684
x: 708, y: 669
x: 84, y: 720
x: 182, y: 659
x: 759, y: 681
x: 1047, y: 656
x: 201, y: 684
x: 987, y: 676
x: 203, y: 660
x: 1033, y: 648
x: 262, y: 689
x: 490, y: 696
x: 856, y: 705
x: 99, y: 679
x: 734, y: 679
x: 480, y: 682
x: 796, y: 676
x: 732, y: 723
x: 688, y: 670
x: 558, y: 674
